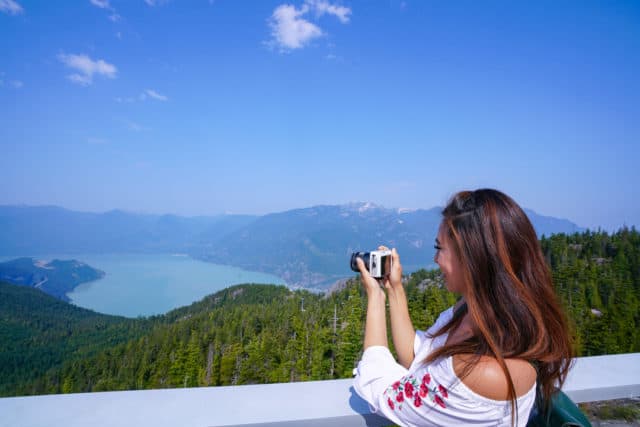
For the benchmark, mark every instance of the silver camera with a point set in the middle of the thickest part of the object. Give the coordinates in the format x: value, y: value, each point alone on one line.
x: 377, y: 263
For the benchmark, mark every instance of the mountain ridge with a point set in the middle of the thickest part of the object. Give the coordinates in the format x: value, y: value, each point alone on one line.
x: 306, y: 247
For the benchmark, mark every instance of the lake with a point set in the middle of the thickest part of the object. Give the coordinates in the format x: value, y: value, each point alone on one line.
x: 143, y: 285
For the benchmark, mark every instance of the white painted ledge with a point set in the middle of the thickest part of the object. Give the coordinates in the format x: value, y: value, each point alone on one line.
x: 311, y: 404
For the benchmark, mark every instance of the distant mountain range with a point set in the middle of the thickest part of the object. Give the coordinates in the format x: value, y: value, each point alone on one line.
x: 49, y: 229
x: 307, y: 247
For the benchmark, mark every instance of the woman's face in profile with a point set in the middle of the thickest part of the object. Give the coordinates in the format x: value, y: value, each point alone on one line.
x: 448, y: 262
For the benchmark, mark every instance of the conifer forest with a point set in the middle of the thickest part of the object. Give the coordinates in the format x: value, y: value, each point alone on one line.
x: 255, y: 334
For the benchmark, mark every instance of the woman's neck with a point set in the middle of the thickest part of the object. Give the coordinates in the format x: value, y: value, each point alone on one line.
x: 464, y: 329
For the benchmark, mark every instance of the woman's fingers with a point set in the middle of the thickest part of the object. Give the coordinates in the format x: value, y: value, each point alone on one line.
x: 368, y: 281
x: 396, y: 269
x: 395, y: 256
x: 361, y: 266
x: 363, y: 270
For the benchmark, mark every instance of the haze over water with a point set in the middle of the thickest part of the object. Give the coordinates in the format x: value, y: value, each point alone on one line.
x: 143, y: 285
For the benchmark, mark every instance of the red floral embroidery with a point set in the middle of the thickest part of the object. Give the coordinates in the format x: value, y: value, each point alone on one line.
x: 408, y: 390
x: 423, y: 390
x: 443, y: 391
x: 417, y: 401
x: 426, y: 379
x: 415, y: 392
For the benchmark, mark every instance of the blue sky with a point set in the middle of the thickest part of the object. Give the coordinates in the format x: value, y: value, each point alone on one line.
x: 202, y: 107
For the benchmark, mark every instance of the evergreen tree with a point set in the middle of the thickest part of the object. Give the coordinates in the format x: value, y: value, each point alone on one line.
x: 250, y: 334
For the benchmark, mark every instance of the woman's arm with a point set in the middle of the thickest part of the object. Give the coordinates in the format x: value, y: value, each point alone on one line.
x: 375, y: 330
x: 402, y: 330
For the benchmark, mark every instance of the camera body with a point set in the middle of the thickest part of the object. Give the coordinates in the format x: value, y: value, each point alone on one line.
x: 377, y: 263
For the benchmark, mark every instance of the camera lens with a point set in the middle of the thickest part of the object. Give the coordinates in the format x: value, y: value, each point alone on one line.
x: 362, y: 255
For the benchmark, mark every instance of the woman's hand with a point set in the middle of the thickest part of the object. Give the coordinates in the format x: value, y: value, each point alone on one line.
x: 371, y: 284
x: 393, y: 280
x: 375, y: 329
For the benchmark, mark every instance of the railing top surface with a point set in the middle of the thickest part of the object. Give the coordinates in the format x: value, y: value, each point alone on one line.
x: 312, y: 403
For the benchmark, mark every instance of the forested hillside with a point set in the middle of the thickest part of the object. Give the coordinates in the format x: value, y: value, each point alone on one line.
x: 38, y: 332
x: 263, y: 333
x: 597, y: 275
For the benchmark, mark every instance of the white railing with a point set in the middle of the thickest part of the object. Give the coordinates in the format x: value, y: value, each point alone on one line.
x: 311, y: 404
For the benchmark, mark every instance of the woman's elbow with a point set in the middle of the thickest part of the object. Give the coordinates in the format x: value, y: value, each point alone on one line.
x: 407, y: 361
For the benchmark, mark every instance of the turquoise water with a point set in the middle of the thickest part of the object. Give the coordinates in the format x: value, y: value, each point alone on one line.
x: 142, y: 285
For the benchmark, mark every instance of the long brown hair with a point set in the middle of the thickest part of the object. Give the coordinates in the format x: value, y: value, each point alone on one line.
x: 510, y: 295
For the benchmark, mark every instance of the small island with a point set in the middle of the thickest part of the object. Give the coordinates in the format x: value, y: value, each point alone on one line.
x: 56, y: 277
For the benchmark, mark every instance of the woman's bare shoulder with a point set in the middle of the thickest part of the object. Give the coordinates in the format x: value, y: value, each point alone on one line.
x: 487, y: 379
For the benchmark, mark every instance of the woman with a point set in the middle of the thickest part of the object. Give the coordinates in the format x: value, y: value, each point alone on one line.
x: 479, y: 363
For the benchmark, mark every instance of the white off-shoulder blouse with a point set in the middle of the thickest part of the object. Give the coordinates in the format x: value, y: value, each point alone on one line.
x: 429, y: 394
